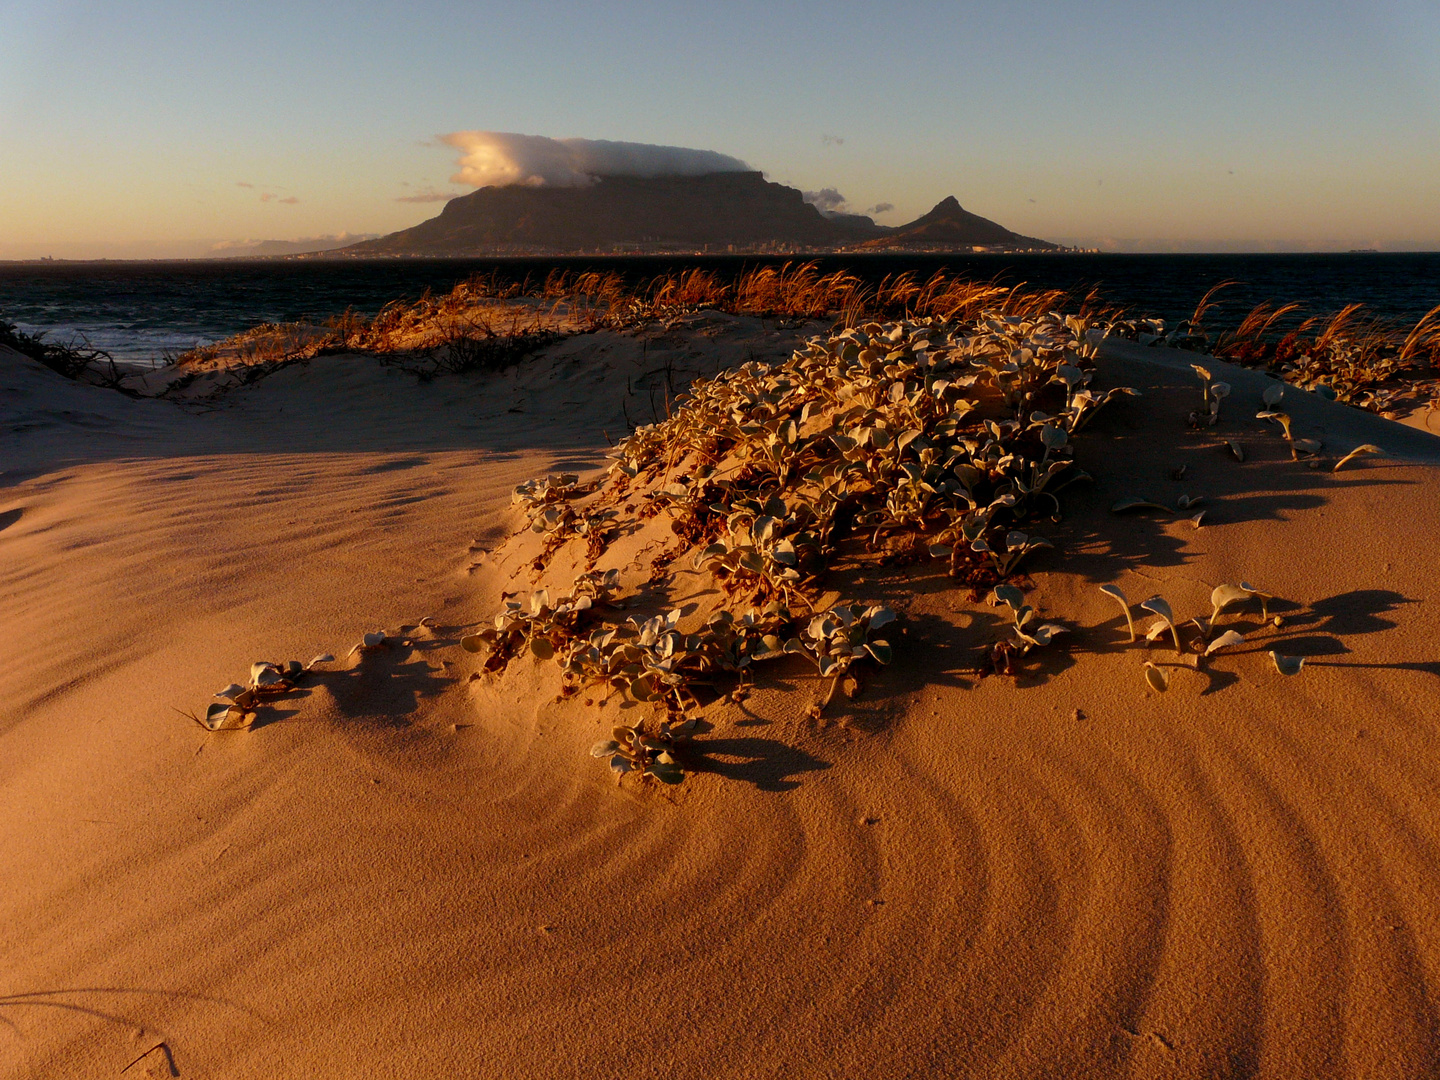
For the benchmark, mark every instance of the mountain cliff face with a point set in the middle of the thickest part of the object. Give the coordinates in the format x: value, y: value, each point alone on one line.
x: 719, y: 212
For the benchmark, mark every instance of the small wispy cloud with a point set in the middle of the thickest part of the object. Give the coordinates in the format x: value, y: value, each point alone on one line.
x: 832, y: 140
x: 270, y: 196
x: 880, y: 208
x: 428, y: 196
x: 244, y: 184
x: 296, y: 246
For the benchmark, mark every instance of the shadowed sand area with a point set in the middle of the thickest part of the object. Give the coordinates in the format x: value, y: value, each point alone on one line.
x: 400, y: 875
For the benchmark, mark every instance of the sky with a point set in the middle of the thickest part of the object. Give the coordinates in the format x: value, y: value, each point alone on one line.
x: 158, y: 129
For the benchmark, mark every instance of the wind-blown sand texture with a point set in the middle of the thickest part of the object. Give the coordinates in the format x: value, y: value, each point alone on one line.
x: 409, y: 873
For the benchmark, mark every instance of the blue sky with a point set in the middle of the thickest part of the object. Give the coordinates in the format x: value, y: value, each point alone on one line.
x: 126, y: 129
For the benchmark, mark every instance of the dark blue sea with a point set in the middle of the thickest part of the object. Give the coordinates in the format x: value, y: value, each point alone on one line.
x: 145, y: 311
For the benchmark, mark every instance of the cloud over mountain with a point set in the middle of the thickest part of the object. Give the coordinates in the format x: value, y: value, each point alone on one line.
x: 429, y: 195
x: 502, y: 158
x: 826, y: 200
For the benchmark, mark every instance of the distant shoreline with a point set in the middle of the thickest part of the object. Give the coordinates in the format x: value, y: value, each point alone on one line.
x: 619, y: 256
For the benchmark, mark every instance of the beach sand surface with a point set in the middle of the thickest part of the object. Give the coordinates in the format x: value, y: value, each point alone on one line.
x: 404, y: 872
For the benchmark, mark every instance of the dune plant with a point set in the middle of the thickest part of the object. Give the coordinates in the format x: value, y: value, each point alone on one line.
x: 630, y: 749
x: 1263, y: 597
x: 1228, y: 639
x: 1363, y: 448
x: 1297, y: 446
x: 237, y: 704
x: 1119, y: 597
x: 541, y: 626
x: 1212, y: 393
x: 834, y: 641
x: 877, y: 440
x: 1029, y: 633
x: 1222, y: 597
x: 1287, y: 665
x: 1349, y: 356
x: 652, y: 660
x: 1164, y: 620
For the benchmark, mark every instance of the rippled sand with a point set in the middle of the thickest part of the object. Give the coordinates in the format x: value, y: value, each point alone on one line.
x: 405, y: 873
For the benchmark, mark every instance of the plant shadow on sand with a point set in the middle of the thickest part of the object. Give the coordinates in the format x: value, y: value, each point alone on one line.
x: 768, y: 764
x: 1120, y: 450
x: 939, y: 651
x: 384, y: 689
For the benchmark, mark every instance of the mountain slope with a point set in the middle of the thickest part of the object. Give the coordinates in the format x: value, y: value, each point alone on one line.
x: 951, y: 225
x: 718, y: 210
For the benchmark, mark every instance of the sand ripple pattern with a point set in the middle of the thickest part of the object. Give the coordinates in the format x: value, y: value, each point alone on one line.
x: 404, y: 876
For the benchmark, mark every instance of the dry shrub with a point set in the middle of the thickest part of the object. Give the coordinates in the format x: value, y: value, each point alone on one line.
x: 490, y: 321
x: 1350, y: 355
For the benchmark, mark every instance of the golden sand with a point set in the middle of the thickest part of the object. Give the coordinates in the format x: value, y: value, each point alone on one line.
x: 405, y: 872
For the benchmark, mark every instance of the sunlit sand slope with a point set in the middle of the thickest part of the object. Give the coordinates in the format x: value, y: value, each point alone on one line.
x: 405, y: 872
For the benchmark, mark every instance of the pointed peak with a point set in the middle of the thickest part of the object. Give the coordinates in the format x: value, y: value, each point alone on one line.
x: 949, y: 203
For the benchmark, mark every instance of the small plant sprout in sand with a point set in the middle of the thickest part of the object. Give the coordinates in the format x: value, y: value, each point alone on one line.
x: 1263, y: 597
x: 1017, y: 546
x: 369, y: 643
x: 631, y: 750
x: 1165, y: 620
x: 1364, y: 448
x: 1158, y: 678
x: 1274, y: 416
x: 1114, y: 591
x: 1205, y: 378
x: 1208, y: 415
x: 1273, y: 395
x: 1297, y: 446
x: 835, y: 640
x: 1028, y: 632
x: 1222, y: 597
x: 1226, y: 640
x: 1287, y: 665
x: 237, y: 704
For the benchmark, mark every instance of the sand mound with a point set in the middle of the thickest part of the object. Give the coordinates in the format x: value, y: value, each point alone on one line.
x: 406, y: 872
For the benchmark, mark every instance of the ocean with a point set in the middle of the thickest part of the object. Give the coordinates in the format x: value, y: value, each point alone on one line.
x: 144, y: 312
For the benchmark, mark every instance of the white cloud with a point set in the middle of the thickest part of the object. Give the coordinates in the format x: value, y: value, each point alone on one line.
x: 500, y: 158
x: 826, y: 200
x: 429, y: 195
x: 299, y: 245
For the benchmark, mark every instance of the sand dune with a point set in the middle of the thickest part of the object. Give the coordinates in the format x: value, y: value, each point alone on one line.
x: 409, y: 873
